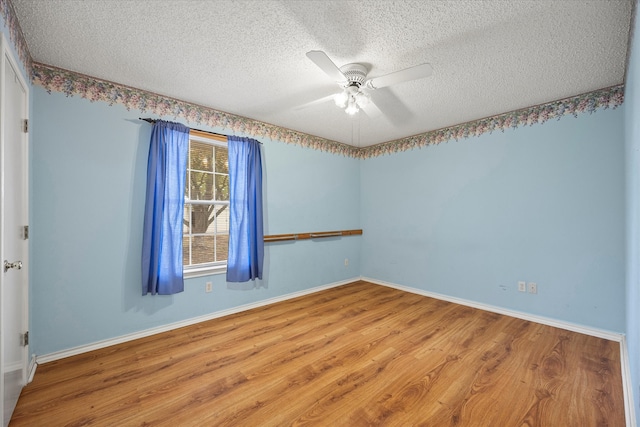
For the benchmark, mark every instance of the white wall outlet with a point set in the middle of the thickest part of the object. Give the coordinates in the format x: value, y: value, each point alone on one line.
x: 522, y: 286
x: 346, y: 262
x: 533, y: 288
x: 208, y: 287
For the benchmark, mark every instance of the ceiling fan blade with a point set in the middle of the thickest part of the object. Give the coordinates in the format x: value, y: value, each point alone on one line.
x: 372, y: 110
x: 413, y: 73
x: 315, y: 102
x: 326, y: 64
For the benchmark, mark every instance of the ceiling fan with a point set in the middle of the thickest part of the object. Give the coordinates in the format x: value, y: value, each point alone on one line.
x: 355, y: 85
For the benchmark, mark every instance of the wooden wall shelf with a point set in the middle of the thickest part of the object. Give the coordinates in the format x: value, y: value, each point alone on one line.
x: 312, y: 235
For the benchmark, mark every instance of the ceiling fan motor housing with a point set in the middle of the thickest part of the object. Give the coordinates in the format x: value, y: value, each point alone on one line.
x: 355, y: 74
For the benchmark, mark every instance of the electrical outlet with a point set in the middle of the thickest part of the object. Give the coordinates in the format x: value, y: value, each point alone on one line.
x: 346, y: 262
x: 208, y: 287
x: 533, y: 288
x: 522, y: 286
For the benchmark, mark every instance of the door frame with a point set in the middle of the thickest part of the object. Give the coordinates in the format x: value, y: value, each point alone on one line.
x: 28, y: 366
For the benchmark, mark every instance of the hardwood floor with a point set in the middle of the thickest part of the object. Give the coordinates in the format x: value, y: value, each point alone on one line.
x: 357, y: 355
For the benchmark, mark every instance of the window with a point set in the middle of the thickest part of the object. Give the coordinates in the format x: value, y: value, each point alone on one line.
x: 206, y: 207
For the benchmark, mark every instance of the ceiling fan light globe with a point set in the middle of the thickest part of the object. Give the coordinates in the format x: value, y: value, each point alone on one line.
x: 341, y: 99
x: 362, y: 99
x: 352, y: 109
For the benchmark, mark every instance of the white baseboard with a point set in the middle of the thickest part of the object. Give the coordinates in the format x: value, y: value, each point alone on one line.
x: 599, y: 333
x: 164, y: 328
x: 629, y: 404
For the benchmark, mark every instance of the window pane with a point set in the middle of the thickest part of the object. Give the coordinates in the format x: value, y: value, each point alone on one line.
x: 201, y: 218
x: 222, y: 219
x: 201, y: 186
x: 222, y: 187
x: 202, y: 249
x: 222, y: 234
x: 222, y: 160
x: 211, y: 220
x: 206, y: 227
x: 185, y: 250
x: 186, y: 219
x: 201, y: 156
x: 222, y: 247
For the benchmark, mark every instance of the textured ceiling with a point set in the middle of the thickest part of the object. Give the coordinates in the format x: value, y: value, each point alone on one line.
x: 248, y: 57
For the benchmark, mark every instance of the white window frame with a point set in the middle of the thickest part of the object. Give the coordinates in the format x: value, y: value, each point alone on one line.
x: 219, y: 267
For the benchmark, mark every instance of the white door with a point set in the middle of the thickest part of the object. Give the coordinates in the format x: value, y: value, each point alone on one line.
x: 13, y: 245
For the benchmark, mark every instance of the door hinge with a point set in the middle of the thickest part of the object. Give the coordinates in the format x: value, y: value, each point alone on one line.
x: 24, y: 339
x: 25, y: 126
x: 25, y: 232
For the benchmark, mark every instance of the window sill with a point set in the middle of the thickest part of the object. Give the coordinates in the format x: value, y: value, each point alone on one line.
x: 204, y: 271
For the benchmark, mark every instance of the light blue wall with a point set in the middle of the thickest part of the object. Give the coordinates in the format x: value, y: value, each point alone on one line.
x: 469, y: 219
x: 88, y: 178
x: 632, y: 138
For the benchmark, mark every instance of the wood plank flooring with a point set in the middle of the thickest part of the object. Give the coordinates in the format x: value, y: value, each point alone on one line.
x: 356, y: 355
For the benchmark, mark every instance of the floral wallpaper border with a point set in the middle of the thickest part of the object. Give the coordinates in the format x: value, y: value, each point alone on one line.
x: 72, y: 84
x: 589, y: 102
x: 15, y: 34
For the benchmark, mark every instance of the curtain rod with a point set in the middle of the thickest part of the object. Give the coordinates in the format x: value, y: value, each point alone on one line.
x: 152, y: 121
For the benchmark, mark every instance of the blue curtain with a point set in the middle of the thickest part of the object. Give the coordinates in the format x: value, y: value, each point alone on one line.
x: 246, y: 239
x: 163, y: 214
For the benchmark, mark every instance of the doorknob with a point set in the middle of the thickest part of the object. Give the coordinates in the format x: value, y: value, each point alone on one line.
x: 8, y: 265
